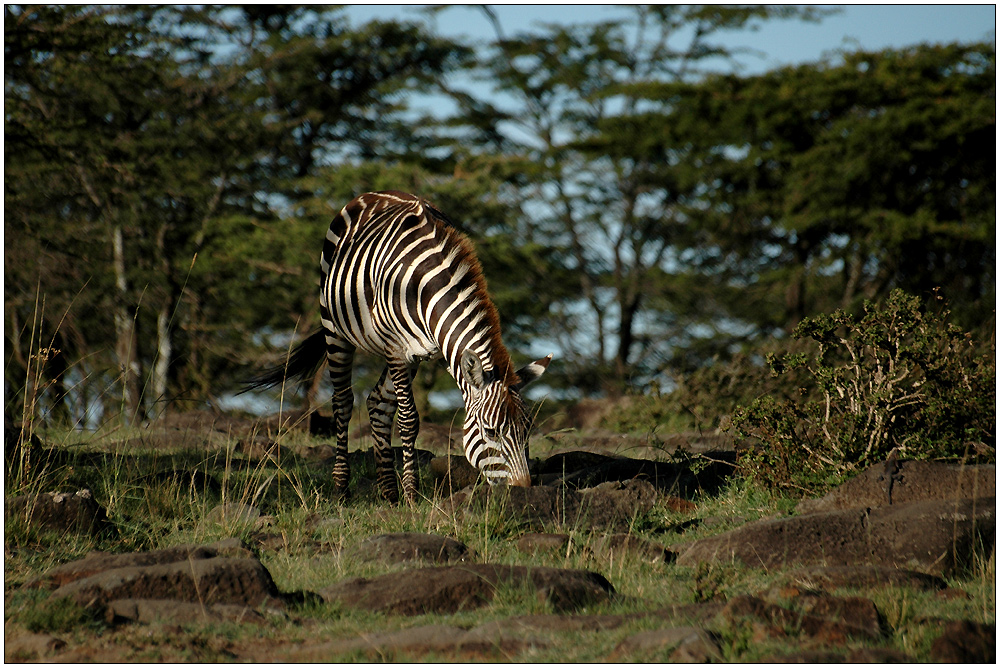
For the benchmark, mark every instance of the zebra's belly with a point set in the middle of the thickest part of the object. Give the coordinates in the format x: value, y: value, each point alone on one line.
x: 375, y: 330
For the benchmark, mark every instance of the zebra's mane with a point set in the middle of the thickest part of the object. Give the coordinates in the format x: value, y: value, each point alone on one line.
x: 465, y: 254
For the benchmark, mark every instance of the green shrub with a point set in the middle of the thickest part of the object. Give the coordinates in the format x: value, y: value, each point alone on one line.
x: 898, y: 376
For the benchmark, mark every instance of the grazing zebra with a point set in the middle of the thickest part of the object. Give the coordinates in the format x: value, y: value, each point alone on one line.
x: 399, y: 281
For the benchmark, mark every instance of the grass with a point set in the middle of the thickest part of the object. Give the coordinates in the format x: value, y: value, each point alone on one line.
x: 295, y: 494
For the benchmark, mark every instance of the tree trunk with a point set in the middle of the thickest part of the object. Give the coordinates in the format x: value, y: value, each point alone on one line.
x: 164, y: 356
x: 126, y: 340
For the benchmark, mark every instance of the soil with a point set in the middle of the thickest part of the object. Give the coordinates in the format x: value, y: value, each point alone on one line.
x: 857, y: 536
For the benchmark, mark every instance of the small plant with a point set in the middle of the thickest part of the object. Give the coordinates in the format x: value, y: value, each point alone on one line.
x: 898, y: 376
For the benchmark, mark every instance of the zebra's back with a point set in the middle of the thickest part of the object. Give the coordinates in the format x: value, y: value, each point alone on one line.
x: 400, y: 281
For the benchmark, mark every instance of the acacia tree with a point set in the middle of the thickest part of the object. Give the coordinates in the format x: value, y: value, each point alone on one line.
x: 169, y: 171
x: 825, y: 185
x: 612, y: 211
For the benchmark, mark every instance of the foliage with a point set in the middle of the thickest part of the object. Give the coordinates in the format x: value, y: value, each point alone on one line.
x: 899, y: 376
x: 614, y: 211
x: 170, y: 170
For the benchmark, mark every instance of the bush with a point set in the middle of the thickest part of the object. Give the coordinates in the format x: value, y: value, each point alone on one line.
x: 898, y: 376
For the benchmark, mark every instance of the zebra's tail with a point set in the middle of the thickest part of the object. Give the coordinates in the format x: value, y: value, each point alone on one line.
x: 302, y: 362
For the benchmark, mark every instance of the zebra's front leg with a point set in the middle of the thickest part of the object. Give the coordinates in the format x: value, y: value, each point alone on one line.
x: 409, y: 426
x: 381, y: 411
x: 340, y: 357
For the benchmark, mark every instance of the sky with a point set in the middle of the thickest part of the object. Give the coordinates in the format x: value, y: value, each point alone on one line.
x: 870, y: 27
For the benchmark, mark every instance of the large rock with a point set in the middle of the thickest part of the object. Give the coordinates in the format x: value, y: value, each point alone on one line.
x: 581, y: 469
x: 612, y: 505
x: 864, y: 575
x: 448, y: 589
x: 99, y: 562
x: 966, y: 642
x: 206, y: 581
x: 935, y: 537
x: 825, y: 619
x: 187, y: 583
x: 913, y: 481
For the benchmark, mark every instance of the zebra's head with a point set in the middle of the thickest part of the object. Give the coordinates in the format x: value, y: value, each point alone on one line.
x: 497, y: 421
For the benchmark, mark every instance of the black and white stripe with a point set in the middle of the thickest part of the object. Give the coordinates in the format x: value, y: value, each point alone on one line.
x: 400, y: 282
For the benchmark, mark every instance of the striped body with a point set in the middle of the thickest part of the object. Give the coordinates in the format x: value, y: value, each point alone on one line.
x: 400, y: 282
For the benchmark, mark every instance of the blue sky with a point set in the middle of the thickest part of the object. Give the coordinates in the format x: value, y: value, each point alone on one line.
x: 870, y: 27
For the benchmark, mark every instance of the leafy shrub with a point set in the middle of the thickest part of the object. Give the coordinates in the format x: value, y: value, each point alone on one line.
x: 898, y: 376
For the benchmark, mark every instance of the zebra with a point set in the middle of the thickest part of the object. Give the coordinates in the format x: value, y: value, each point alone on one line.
x: 399, y: 281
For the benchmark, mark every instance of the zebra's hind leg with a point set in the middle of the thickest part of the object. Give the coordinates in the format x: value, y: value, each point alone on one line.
x: 381, y: 411
x: 340, y: 356
x: 409, y: 426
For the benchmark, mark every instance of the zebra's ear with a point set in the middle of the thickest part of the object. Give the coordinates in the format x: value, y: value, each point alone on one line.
x: 532, y: 371
x: 472, y: 370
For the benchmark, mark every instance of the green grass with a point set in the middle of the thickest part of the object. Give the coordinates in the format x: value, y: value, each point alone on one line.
x: 297, y: 495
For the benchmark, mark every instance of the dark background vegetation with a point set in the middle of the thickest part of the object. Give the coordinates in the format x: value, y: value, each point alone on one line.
x: 170, y: 172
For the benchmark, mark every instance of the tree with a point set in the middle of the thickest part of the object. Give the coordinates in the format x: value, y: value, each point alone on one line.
x: 153, y: 164
x: 599, y: 200
x: 826, y: 185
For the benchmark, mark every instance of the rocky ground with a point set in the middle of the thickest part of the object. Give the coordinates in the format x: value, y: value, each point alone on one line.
x: 911, y: 532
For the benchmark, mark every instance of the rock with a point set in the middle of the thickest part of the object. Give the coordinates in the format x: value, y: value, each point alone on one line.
x: 210, y: 580
x: 807, y: 656
x: 878, y: 655
x: 619, y: 545
x: 542, y: 542
x: 398, y: 547
x: 932, y: 536
x: 863, y: 575
x: 828, y: 620
x: 31, y: 646
x: 685, y: 644
x: 453, y: 472
x: 187, y: 583
x: 74, y: 512
x: 441, y: 639
x: 610, y: 505
x: 448, y: 589
x: 862, y: 655
x: 573, y: 461
x: 98, y: 562
x: 917, y: 481
x: 146, y: 611
x: 582, y: 469
x: 965, y: 642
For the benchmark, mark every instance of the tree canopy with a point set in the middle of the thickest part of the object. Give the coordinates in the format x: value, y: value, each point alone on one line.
x: 170, y: 172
